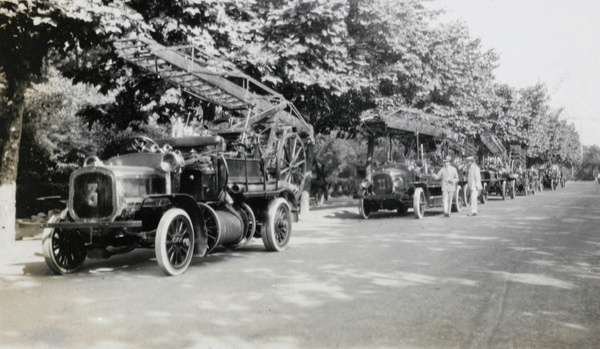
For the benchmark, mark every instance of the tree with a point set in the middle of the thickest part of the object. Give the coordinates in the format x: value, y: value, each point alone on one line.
x: 29, y: 31
x: 590, y: 164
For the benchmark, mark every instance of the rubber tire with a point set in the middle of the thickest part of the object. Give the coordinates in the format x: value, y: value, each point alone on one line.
x: 457, y: 201
x: 512, y: 189
x: 49, y: 252
x: 419, y: 203
x: 278, y: 229
x: 467, y: 196
x: 364, y: 209
x: 484, y: 194
x: 165, y: 228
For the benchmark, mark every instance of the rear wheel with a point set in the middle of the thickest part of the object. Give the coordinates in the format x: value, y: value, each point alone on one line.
x: 211, y: 225
x: 64, y: 249
x: 458, y: 200
x: 278, y: 229
x: 174, y: 244
x: 419, y: 203
x: 291, y: 162
x: 484, y: 193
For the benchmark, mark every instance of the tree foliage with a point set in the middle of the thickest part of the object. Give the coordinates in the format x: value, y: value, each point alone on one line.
x: 333, y: 59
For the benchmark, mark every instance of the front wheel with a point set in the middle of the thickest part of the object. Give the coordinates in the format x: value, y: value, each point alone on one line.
x: 278, y: 229
x: 467, y: 196
x: 484, y: 193
x: 64, y: 249
x: 174, y: 242
x: 419, y: 203
x: 512, y: 189
x: 458, y: 200
x: 364, y: 208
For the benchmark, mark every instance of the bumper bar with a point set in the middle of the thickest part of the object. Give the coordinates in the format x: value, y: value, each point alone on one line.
x: 89, y: 225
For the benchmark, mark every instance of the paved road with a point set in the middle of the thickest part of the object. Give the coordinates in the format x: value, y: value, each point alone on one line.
x: 525, y: 273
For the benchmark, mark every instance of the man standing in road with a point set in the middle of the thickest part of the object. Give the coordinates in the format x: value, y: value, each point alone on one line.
x: 474, y: 183
x: 449, y: 177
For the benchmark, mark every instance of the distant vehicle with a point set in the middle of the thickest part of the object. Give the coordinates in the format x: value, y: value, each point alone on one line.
x: 401, y: 184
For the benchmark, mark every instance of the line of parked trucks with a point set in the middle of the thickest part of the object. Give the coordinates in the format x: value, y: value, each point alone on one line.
x: 415, y: 145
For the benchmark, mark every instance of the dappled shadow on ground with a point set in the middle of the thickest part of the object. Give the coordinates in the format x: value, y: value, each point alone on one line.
x: 348, y: 214
x: 502, y: 279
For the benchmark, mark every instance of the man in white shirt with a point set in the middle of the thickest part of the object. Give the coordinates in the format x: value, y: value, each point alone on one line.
x: 474, y: 183
x: 449, y: 177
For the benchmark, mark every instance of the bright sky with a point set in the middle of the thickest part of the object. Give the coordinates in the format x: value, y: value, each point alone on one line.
x: 556, y: 42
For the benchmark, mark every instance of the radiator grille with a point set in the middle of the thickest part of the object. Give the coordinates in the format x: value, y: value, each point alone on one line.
x: 93, y: 195
x: 382, y: 184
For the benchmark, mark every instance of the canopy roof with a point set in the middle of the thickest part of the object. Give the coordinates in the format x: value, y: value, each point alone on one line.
x: 408, y: 120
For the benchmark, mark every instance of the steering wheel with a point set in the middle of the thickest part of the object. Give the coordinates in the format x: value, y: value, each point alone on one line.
x: 143, y: 143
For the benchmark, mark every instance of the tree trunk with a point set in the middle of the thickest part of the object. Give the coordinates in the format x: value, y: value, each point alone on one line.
x: 12, y: 104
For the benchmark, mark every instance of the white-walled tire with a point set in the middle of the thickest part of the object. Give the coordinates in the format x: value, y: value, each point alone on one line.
x: 419, y: 203
x: 512, y: 189
x: 484, y: 194
x: 457, y: 201
x: 364, y: 208
x: 174, y: 242
x: 278, y: 229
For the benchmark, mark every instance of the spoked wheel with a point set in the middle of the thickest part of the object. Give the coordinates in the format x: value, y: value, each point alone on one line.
x: 484, y: 193
x: 458, y: 200
x: 174, y: 242
x: 291, y: 162
x: 278, y: 229
x: 143, y: 143
x: 64, y: 249
x: 211, y: 225
x: 419, y: 203
x: 249, y: 225
x: 364, y: 208
x: 467, y: 196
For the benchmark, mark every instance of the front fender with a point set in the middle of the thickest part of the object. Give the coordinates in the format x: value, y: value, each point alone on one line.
x: 189, y: 205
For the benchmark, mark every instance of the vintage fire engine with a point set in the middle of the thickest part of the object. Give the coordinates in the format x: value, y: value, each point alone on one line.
x: 416, y: 143
x: 185, y: 196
